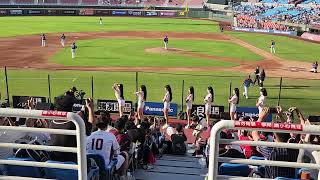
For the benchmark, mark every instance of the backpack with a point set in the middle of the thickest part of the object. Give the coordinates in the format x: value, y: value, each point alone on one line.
x: 178, y: 145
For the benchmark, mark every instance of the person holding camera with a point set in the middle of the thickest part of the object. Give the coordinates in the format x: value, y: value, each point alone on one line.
x: 118, y: 91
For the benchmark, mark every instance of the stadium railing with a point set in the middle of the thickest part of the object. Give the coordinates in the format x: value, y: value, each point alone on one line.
x: 81, y: 167
x: 264, y: 126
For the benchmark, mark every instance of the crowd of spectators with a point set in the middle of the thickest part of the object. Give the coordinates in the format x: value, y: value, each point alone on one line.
x: 269, y: 17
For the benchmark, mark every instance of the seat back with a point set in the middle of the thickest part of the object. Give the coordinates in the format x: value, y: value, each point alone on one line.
x: 234, y: 169
x: 100, y: 162
x: 61, y: 174
x: 25, y: 171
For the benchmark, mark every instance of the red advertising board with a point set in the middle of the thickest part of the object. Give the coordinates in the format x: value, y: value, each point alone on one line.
x: 268, y: 125
x: 54, y: 113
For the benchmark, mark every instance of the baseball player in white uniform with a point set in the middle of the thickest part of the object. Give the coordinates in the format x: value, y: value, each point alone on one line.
x: 62, y: 40
x: 166, y: 41
x: 100, y: 21
x: 273, y: 47
x: 43, y: 40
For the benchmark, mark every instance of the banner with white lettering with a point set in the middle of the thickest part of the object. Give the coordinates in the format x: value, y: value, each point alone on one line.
x: 156, y: 108
x: 216, y: 111
x: 22, y: 101
x: 112, y: 106
x: 251, y: 112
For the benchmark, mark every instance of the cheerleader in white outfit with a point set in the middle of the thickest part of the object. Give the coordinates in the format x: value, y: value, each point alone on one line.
x: 166, y: 104
x: 208, y: 102
x: 118, y: 91
x: 261, y: 101
x: 234, y: 101
x: 189, y: 101
x: 142, y: 96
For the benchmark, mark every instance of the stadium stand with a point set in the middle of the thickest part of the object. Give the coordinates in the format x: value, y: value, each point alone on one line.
x: 90, y: 2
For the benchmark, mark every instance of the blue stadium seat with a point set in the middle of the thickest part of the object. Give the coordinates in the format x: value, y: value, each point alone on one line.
x: 61, y: 174
x: 257, y: 158
x: 24, y: 171
x: 234, y: 169
x: 104, y: 172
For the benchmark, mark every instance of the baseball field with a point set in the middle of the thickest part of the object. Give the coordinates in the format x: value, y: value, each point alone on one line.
x: 113, y: 52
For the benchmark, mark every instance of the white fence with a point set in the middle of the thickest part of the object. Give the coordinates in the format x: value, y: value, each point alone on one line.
x: 48, y: 115
x: 259, y: 126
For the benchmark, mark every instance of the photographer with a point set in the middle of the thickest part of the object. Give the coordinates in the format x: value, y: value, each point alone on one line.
x: 65, y: 103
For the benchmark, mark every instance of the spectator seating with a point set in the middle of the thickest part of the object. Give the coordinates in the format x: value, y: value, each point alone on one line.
x: 69, y: 2
x: 104, y: 172
x: 25, y: 171
x: 234, y: 169
x: 90, y: 2
x: 23, y: 1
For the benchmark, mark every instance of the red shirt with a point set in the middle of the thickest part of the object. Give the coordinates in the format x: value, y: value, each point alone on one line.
x: 247, y: 150
x: 123, y: 140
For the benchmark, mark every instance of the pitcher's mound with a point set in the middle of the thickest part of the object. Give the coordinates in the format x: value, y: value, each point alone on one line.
x: 160, y: 50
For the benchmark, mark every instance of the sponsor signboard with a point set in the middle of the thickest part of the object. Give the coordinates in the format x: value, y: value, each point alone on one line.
x: 54, y: 113
x: 86, y: 12
x: 151, y: 13
x: 216, y: 111
x: 168, y: 13
x: 112, y: 106
x: 34, y: 12
x: 102, y: 12
x: 3, y: 12
x: 251, y: 112
x: 156, y: 108
x: 22, y: 101
x: 291, y: 33
x: 134, y: 13
x: 119, y: 13
x: 69, y: 12
x: 15, y: 12
x: 52, y: 12
x: 268, y: 125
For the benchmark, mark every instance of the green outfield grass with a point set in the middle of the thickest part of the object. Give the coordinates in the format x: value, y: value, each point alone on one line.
x: 288, y: 48
x: 13, y: 26
x: 131, y: 52
x: 300, y: 93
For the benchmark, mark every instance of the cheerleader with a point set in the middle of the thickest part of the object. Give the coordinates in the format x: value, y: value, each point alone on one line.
x: 118, y: 91
x: 189, y: 101
x: 208, y: 101
x: 142, y: 97
x: 166, y: 104
x: 261, y: 101
x: 234, y: 101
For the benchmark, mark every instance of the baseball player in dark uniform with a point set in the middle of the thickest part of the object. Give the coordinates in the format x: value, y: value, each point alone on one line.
x: 256, y: 73
x: 43, y: 40
x: 73, y: 50
x: 166, y: 41
x: 62, y: 39
x: 273, y: 47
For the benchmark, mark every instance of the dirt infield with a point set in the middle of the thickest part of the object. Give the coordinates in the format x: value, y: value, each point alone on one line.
x: 26, y: 52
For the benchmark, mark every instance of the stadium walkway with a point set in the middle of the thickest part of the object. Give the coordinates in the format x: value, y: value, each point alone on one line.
x: 171, y: 167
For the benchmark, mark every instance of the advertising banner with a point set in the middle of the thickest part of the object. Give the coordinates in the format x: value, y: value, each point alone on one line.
x: 34, y: 12
x: 22, y: 101
x: 68, y: 12
x: 119, y: 13
x: 251, y: 112
x: 151, y: 13
x: 135, y: 13
x: 51, y: 12
x: 86, y: 12
x: 166, y: 13
x: 216, y: 111
x: 3, y: 12
x: 112, y: 106
x: 15, y: 12
x: 156, y: 108
x: 102, y: 12
x: 291, y: 33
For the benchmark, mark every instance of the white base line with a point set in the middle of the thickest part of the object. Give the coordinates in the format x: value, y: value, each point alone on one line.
x: 73, y: 79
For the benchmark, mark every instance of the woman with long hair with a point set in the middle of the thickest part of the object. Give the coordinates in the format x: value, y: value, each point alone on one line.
x: 234, y: 101
x: 208, y: 102
x: 142, y: 97
x: 189, y: 101
x: 261, y: 101
x: 118, y: 91
x: 166, y: 104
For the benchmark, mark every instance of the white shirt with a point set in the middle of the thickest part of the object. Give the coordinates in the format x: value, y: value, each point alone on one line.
x: 261, y: 102
x: 189, y: 100
x: 208, y: 99
x: 140, y: 95
x: 104, y: 144
x: 166, y: 97
x: 117, y: 93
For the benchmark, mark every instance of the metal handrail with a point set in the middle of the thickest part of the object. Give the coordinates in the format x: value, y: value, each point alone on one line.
x: 48, y: 115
